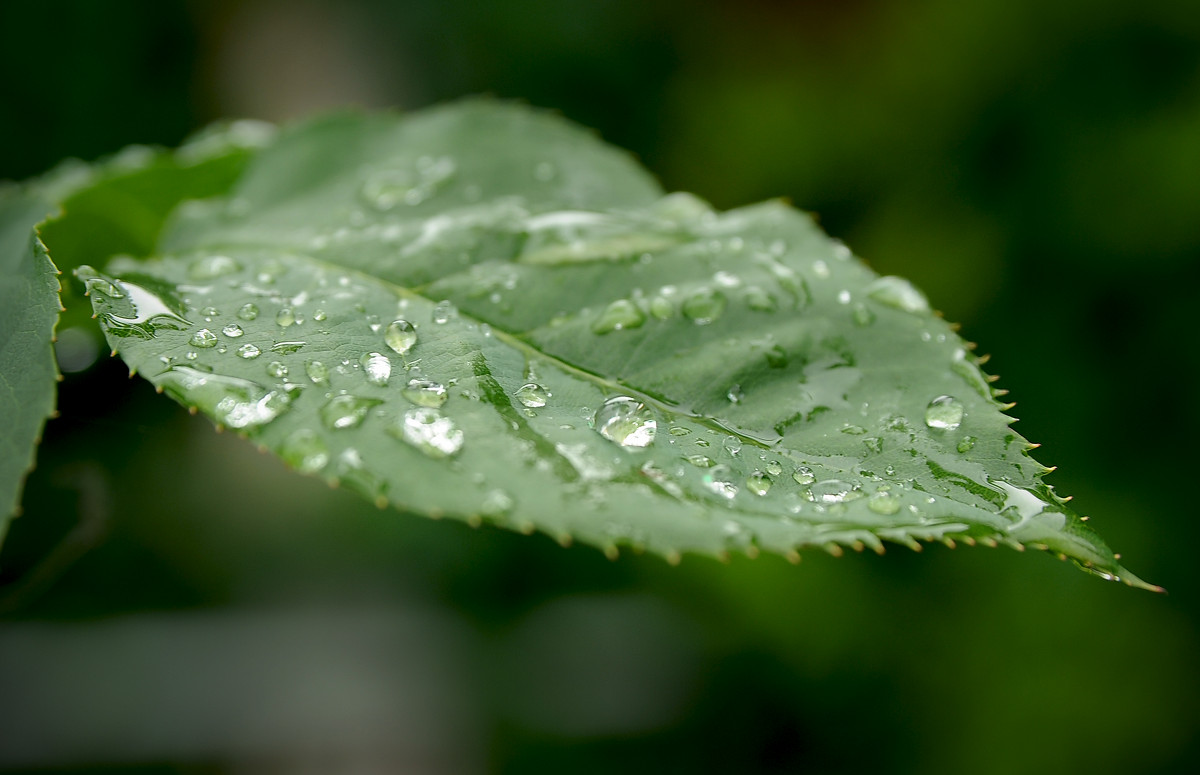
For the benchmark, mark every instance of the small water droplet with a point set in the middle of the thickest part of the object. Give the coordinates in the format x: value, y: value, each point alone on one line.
x: 679, y: 430
x: 285, y: 317
x: 277, y: 370
x: 735, y: 394
x: 377, y: 367
x: 727, y: 279
x: 803, y: 475
x: 444, y: 311
x: 661, y: 308
x: 760, y: 300
x: 424, y: 392
x: 700, y: 461
x: 833, y: 491
x: 862, y: 314
x: 233, y: 331
x: 496, y: 504
x: 248, y: 312
x: 305, y: 451
x: 821, y: 269
x: 532, y: 395
x: 898, y: 293
x: 248, y: 351
x: 212, y: 267
x: 286, y: 348
x: 319, y: 315
x: 874, y: 444
x: 400, y: 336
x: 758, y: 483
x: 346, y: 411
x: 428, y: 430
x: 883, y: 503
x: 626, y: 421
x: 204, y: 338
x: 316, y: 371
x: 732, y: 444
x: 704, y: 306
x: 944, y: 413
x: 619, y: 315
x: 717, y: 480
x: 774, y: 468
x: 210, y: 312
x: 966, y: 443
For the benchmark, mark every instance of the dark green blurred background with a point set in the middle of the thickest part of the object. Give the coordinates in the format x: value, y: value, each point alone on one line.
x: 174, y: 601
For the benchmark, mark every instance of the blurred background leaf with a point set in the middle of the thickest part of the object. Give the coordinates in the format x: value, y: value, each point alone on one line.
x: 1032, y: 166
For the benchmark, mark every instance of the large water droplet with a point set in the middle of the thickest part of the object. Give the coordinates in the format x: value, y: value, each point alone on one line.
x: 704, y: 306
x: 204, y: 338
x: 944, y: 413
x: 232, y: 402
x: 532, y: 395
x: 277, y: 370
x: 249, y: 352
x: 898, y: 293
x: 346, y: 411
x: 400, y: 336
x: 626, y: 421
x: 285, y: 317
x: 377, y: 367
x: 833, y: 491
x: 621, y: 314
x: 803, y: 475
x: 134, y: 310
x: 966, y: 443
x: 212, y: 267
x: 248, y: 311
x: 305, y: 451
x: 233, y: 331
x: 428, y: 430
x: 425, y: 392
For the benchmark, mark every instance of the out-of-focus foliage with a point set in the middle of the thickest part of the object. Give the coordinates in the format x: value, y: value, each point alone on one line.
x: 970, y: 147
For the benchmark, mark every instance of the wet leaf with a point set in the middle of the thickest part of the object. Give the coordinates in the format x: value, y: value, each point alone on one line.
x: 28, y: 312
x: 482, y: 312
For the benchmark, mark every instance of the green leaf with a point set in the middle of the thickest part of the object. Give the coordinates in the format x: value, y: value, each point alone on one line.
x: 28, y: 312
x: 481, y: 312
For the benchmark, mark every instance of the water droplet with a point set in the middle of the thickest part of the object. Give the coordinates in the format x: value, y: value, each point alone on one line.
x: 760, y: 300
x: 843, y: 297
x: 717, y: 480
x: 804, y: 475
x: 898, y: 293
x: 661, y: 308
x: 732, y: 444
x: 833, y: 491
x: 277, y: 370
x: 249, y: 352
x: 316, y: 371
x: 700, y: 461
x: 727, y: 279
x: 496, y: 504
x: 758, y: 483
x: 774, y: 468
x: 204, y: 338
x: 286, y: 348
x: 444, y: 311
x: 346, y: 411
x: 966, y: 443
x: 620, y: 314
x: 532, y: 395
x: 210, y: 312
x: 319, y: 315
x: 679, y: 430
x: 424, y: 392
x: 304, y: 451
x: 862, y: 314
x: 428, y: 430
x: 212, y: 267
x: 400, y: 336
x: 285, y: 317
x: 883, y: 503
x: 821, y: 269
x: 874, y: 444
x: 735, y: 394
x: 626, y: 421
x: 248, y: 312
x: 232, y: 402
x: 233, y: 331
x: 377, y: 367
x: 704, y: 306
x: 944, y: 413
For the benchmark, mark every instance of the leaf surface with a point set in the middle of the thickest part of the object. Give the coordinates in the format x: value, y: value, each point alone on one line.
x: 28, y: 312
x: 482, y: 312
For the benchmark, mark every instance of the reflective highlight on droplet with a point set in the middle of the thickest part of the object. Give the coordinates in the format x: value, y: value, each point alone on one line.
x: 626, y: 421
